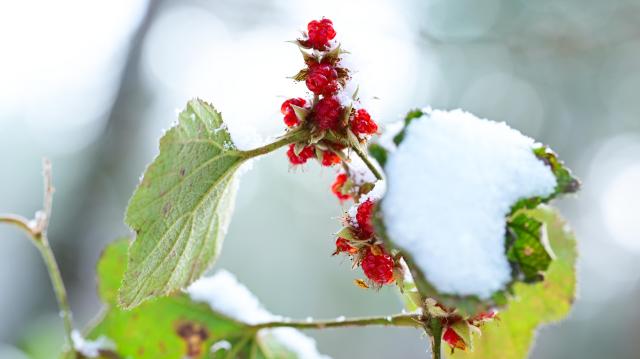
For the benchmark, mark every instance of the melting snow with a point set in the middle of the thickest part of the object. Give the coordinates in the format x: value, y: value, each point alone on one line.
x: 90, y: 348
x: 451, y: 183
x: 227, y: 296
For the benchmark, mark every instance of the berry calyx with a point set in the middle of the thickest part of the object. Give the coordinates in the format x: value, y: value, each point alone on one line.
x: 362, y: 124
x: 302, y: 157
x: 290, y: 118
x: 378, y: 267
x: 320, y: 33
x: 343, y: 246
x: 363, y: 217
x: 322, y: 79
x: 327, y: 113
x: 330, y: 158
x: 338, y: 187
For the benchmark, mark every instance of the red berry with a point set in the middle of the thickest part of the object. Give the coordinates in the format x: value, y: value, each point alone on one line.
x: 330, y: 158
x: 363, y: 217
x: 320, y: 32
x: 290, y: 118
x: 302, y: 157
x: 336, y: 187
x: 482, y: 317
x: 363, y: 124
x: 453, y: 339
x: 327, y: 113
x: 378, y: 267
x: 343, y: 245
x: 322, y: 79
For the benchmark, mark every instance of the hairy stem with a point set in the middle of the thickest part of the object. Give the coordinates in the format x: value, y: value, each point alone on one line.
x: 287, y: 139
x: 365, y: 158
x: 37, y: 231
x: 435, y: 333
x: 400, y: 320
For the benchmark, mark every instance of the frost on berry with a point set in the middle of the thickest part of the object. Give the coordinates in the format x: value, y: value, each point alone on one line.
x: 327, y: 113
x: 322, y: 79
x: 302, y: 157
x: 451, y: 182
x: 290, y: 118
x: 362, y: 124
x: 320, y: 33
x: 378, y: 267
x: 338, y: 187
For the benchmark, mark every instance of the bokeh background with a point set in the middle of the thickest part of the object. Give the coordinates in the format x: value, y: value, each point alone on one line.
x: 92, y: 85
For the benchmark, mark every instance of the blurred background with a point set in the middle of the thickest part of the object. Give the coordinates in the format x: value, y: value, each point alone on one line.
x: 93, y: 84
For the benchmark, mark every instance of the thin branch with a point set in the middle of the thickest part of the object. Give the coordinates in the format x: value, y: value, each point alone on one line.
x: 17, y: 221
x: 37, y: 231
x: 400, y: 320
x: 289, y: 138
x: 367, y: 161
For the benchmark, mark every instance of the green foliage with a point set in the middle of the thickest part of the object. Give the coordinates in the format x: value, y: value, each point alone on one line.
x: 412, y: 115
x: 182, y: 207
x: 529, y: 250
x: 173, y: 326
x: 379, y: 153
x: 531, y: 305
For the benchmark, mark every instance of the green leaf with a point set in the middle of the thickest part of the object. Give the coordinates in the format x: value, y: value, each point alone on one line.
x: 531, y: 305
x: 412, y: 115
x: 181, y: 209
x: 379, y: 153
x: 173, y: 327
x: 529, y: 249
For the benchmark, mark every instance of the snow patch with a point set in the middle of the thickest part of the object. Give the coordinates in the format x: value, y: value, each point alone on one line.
x: 90, y: 348
x: 451, y: 182
x: 227, y: 296
x: 220, y: 345
x: 359, y: 172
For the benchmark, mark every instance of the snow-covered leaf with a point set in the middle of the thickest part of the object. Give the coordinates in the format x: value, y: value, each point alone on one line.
x: 565, y: 181
x: 181, y: 209
x: 212, y: 320
x: 451, y: 183
x: 532, y: 305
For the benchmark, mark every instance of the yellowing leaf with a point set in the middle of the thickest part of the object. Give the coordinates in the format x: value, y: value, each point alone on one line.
x: 532, y: 304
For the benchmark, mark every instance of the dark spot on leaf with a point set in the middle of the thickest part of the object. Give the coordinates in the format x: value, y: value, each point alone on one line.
x: 182, y: 172
x: 166, y: 208
x: 194, y: 336
x: 162, y: 346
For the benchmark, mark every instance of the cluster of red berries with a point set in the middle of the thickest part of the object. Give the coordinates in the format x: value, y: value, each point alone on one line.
x: 334, y: 124
x: 324, y: 113
x: 357, y: 239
